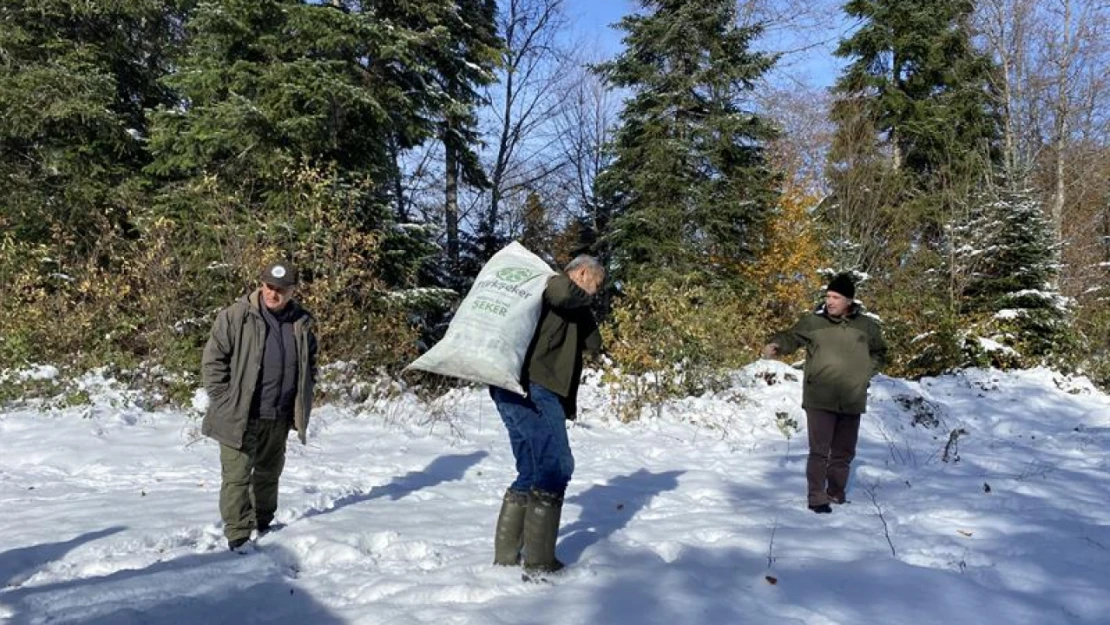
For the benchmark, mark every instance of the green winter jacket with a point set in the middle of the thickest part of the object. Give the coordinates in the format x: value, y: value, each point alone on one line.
x: 842, y: 355
x: 231, y: 364
x: 565, y: 331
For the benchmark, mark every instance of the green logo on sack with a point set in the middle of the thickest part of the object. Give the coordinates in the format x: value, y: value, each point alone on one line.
x: 515, y: 275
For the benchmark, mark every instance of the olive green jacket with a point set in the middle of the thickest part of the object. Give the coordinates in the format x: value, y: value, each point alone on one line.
x: 566, y: 330
x: 842, y: 355
x: 231, y: 364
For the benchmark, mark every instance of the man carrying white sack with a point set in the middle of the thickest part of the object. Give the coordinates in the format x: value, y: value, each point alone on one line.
x: 533, y: 504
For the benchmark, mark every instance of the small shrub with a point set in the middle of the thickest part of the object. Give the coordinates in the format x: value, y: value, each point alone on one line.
x: 787, y: 424
x: 922, y: 412
x: 676, y: 337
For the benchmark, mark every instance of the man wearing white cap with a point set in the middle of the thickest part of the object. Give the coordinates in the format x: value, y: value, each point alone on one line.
x: 259, y: 369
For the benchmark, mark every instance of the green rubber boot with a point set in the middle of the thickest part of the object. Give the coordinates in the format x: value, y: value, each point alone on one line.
x: 509, y: 535
x: 541, y: 529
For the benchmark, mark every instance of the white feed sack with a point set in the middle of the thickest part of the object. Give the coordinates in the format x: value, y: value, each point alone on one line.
x: 490, y: 333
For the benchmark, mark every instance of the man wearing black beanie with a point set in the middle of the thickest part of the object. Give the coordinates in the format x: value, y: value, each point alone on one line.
x: 844, y: 349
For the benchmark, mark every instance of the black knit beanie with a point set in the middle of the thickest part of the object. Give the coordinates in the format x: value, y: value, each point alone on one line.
x: 843, y: 284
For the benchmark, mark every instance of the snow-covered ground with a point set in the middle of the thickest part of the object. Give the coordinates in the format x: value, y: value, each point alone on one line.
x: 108, y: 514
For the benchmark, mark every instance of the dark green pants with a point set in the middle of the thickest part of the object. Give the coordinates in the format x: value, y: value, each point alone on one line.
x: 249, y: 494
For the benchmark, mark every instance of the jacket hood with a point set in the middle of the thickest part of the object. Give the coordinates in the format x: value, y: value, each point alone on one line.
x: 252, y: 301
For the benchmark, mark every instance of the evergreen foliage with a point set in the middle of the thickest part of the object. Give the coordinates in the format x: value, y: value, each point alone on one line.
x: 917, y: 138
x: 76, y: 82
x: 266, y: 85
x: 922, y: 83
x: 1015, y: 282
x: 688, y: 188
x: 276, y: 87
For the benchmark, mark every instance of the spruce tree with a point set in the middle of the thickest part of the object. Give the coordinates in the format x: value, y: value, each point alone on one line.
x: 917, y: 134
x: 455, y: 45
x: 272, y: 88
x: 1014, y: 284
x: 268, y: 84
x: 920, y: 81
x: 76, y: 81
x: 688, y: 188
x: 465, y: 67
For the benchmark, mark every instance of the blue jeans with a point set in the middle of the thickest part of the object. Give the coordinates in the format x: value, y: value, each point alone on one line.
x: 538, y: 434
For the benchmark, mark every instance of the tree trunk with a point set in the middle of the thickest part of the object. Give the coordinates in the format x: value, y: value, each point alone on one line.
x: 895, y: 148
x: 1009, y: 159
x: 1062, y: 111
x: 451, y: 204
x: 400, y: 209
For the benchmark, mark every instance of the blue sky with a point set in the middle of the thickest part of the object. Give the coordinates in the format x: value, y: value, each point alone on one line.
x: 593, y: 20
x: 817, y: 67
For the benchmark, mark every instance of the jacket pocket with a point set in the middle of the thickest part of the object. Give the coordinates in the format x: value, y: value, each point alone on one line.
x: 218, y: 398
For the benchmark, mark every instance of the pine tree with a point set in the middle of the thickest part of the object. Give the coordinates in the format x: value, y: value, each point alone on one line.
x: 688, y: 188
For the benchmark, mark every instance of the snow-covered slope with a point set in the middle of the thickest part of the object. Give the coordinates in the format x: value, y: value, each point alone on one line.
x: 108, y: 514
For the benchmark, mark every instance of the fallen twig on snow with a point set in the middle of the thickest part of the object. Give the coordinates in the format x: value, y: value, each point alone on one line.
x: 771, y: 544
x: 870, y: 490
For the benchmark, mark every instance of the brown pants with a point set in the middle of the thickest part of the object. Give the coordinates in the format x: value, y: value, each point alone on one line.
x: 832, y: 445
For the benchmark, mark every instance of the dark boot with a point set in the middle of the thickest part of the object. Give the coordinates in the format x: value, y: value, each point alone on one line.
x: 508, y: 538
x: 266, y: 528
x: 541, y: 528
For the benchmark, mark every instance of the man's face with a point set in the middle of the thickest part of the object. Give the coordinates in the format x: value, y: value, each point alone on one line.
x: 837, y: 304
x: 276, y: 297
x: 586, y: 280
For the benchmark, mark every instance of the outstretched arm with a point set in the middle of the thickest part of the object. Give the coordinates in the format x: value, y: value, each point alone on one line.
x: 785, y: 343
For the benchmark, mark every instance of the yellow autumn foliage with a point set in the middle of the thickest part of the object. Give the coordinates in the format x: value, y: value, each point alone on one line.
x: 785, y: 275
x: 676, y: 336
